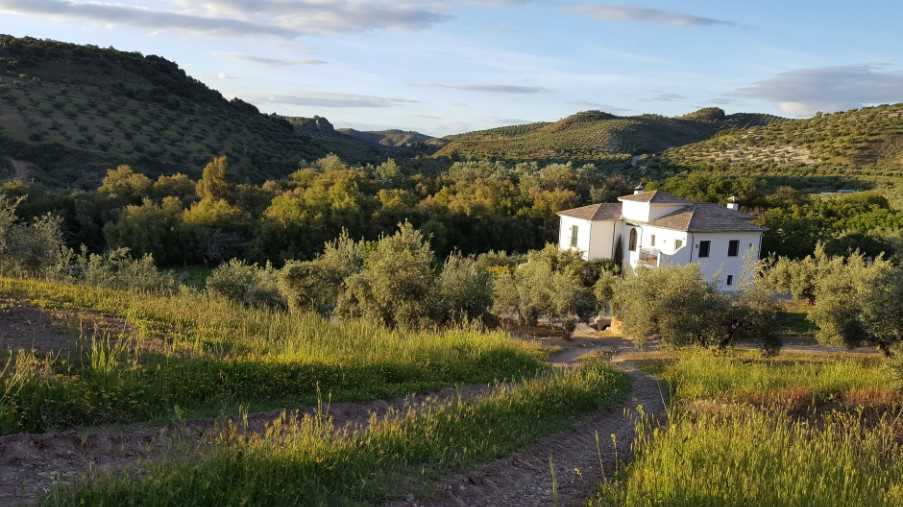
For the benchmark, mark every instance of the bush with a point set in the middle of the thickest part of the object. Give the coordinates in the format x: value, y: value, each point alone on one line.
x: 246, y: 284
x: 315, y: 285
x: 32, y: 249
x: 550, y: 284
x: 396, y: 285
x: 118, y: 270
x: 465, y: 289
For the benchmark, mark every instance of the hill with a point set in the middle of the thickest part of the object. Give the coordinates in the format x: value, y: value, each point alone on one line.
x: 359, y: 145
x: 596, y: 135
x: 863, y: 139
x: 68, y: 112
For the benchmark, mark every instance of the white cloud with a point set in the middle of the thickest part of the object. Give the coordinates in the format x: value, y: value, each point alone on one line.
x: 804, y: 92
x: 494, y: 88
x: 279, y: 18
x: 268, y: 61
x: 644, y: 15
x: 337, y: 100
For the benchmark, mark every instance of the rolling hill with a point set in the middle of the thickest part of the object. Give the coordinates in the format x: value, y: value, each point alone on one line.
x: 69, y: 112
x: 596, y: 135
x: 868, y: 139
x: 363, y: 145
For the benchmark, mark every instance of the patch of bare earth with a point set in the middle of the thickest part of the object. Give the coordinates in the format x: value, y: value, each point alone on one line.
x: 23, y: 326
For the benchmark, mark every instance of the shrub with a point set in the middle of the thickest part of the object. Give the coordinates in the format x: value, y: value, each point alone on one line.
x: 550, y: 284
x: 465, y: 289
x: 246, y: 284
x: 396, y: 285
x: 117, y: 269
x: 316, y: 285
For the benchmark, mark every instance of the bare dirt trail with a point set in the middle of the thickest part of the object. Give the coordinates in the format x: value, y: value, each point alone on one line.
x: 30, y: 464
x: 525, y: 479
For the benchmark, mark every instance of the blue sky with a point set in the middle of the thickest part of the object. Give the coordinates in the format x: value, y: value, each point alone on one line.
x: 447, y: 67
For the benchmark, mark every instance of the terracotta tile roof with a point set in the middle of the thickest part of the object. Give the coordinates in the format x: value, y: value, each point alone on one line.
x: 605, y: 211
x: 706, y: 218
x: 655, y: 196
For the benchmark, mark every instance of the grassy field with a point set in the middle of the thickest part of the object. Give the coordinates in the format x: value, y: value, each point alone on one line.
x: 193, y: 355
x: 305, y: 462
x: 798, y: 430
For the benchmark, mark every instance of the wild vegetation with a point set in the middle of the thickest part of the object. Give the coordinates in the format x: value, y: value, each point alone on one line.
x: 792, y: 431
x: 307, y: 458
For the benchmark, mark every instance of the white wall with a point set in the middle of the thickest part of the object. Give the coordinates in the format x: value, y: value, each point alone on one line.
x: 635, y: 210
x: 665, y: 243
x: 718, y: 266
x: 594, y: 239
x: 602, y: 240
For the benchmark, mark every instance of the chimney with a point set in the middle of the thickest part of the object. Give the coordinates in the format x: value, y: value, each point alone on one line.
x: 638, y: 189
x: 733, y: 204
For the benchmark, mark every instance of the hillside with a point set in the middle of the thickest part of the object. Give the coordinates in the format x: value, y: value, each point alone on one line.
x: 68, y: 112
x: 359, y: 145
x: 595, y: 135
x: 862, y: 139
x: 397, y: 139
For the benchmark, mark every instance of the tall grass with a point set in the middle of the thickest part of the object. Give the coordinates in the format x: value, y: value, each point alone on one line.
x: 742, y: 376
x: 195, y: 354
x: 751, y: 458
x: 812, y: 443
x: 306, y: 462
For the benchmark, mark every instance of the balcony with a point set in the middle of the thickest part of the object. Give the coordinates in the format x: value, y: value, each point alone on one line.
x: 648, y: 258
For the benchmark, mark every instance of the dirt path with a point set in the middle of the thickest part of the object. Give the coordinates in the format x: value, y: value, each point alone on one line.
x: 30, y: 464
x: 524, y: 479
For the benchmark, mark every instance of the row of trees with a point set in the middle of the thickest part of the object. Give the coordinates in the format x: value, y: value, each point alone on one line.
x: 853, y: 300
x: 398, y: 281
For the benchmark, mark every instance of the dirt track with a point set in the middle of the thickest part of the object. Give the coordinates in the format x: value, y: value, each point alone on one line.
x: 525, y: 478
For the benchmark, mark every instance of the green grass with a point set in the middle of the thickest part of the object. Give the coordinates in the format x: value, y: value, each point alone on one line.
x: 752, y: 458
x: 194, y: 355
x: 747, y: 376
x: 305, y: 462
x: 750, y: 431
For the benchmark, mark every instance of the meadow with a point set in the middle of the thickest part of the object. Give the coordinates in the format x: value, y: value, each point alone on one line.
x: 796, y: 430
x: 189, y: 354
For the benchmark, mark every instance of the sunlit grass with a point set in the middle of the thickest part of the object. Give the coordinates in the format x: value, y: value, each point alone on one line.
x: 305, y: 462
x: 194, y: 354
x: 746, y: 457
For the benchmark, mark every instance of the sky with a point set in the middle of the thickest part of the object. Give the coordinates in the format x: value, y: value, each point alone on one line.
x: 459, y: 65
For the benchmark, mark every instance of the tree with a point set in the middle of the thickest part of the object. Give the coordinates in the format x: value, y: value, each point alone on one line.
x: 151, y: 228
x: 856, y: 303
x: 674, y: 303
x: 316, y: 285
x: 465, y: 288
x: 214, y: 184
x: 397, y: 283
x: 550, y: 284
x: 125, y: 185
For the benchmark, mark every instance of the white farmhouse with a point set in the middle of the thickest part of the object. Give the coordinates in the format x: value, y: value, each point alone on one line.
x: 655, y: 229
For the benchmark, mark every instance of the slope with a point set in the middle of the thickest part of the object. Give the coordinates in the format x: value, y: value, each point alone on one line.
x: 595, y: 135
x: 868, y: 139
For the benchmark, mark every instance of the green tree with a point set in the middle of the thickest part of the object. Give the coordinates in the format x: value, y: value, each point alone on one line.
x: 214, y: 183
x: 125, y: 185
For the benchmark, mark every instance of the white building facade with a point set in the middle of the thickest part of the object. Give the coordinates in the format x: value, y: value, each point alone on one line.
x: 654, y: 229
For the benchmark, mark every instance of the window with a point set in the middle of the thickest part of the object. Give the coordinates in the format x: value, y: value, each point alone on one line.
x: 575, y: 235
x: 652, y: 240
x: 678, y: 244
x: 730, y: 280
x: 704, y: 247
x: 631, y: 244
x: 733, y: 248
